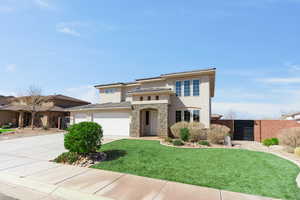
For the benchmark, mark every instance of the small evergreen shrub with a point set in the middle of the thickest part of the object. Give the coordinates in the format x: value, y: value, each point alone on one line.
x: 177, y: 142
x: 297, y: 151
x: 275, y: 141
x: 204, y: 143
x: 84, y: 137
x: 270, y: 141
x: 184, y: 134
x: 67, y: 157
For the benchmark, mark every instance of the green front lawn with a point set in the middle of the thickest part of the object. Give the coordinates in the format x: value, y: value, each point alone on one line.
x: 228, y: 169
x: 6, y: 130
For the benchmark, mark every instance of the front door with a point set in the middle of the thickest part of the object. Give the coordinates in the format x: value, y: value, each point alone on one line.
x: 150, y: 123
x: 153, y: 123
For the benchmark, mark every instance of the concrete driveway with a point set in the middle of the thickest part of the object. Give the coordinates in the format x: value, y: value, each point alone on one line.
x: 24, y: 162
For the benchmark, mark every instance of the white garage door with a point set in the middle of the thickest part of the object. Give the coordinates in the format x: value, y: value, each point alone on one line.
x: 114, y: 123
x: 80, y: 118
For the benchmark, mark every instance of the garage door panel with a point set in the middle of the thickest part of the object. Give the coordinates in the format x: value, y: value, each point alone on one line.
x: 113, y: 123
x: 80, y: 118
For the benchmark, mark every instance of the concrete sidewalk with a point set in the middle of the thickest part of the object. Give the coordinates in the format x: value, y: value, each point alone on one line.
x: 24, y: 165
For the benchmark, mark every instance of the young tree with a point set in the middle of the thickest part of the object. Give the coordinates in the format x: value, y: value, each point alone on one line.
x: 34, y: 99
x: 231, y: 114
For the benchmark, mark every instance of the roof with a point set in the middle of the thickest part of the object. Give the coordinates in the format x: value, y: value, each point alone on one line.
x: 66, y: 98
x: 157, y: 77
x: 291, y: 114
x: 28, y: 108
x: 101, y: 106
x: 5, y: 99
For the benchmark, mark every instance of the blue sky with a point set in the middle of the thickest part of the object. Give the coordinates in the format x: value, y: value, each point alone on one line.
x: 67, y: 46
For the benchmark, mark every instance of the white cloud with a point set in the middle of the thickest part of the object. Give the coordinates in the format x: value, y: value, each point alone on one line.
x: 252, y: 110
x: 11, y: 68
x: 87, y: 93
x: 68, y: 28
x: 281, y: 80
x: 42, y: 3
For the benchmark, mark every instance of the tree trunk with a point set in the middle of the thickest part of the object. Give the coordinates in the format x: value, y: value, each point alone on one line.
x: 32, y: 120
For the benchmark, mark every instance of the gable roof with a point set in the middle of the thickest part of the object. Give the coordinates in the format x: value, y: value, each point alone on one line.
x: 4, y: 100
x: 66, y: 98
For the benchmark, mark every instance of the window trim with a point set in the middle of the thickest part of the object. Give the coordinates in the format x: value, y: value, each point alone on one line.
x: 182, y: 115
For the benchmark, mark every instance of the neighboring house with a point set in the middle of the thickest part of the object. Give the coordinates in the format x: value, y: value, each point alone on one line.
x: 6, y: 116
x: 292, y: 116
x: 149, y: 106
x: 50, y: 114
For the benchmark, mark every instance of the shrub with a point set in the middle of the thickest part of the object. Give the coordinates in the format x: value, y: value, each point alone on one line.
x: 7, y: 126
x: 175, y: 129
x: 290, y: 137
x: 297, y: 151
x: 184, y: 134
x: 197, y: 131
x: 177, y: 143
x: 275, y: 141
x: 267, y: 142
x: 217, y: 133
x: 84, y: 137
x: 67, y: 157
x: 204, y: 142
x: 168, y: 139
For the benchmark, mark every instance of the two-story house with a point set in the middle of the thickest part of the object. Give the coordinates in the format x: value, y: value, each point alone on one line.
x: 149, y: 106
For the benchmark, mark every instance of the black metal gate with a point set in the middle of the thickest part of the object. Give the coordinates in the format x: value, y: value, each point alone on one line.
x: 243, y: 130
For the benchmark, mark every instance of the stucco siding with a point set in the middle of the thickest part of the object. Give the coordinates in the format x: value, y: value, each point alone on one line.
x: 114, y: 97
x: 201, y: 102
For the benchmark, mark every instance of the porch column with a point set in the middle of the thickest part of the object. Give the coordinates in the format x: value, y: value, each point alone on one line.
x: 135, y: 122
x: 21, y: 119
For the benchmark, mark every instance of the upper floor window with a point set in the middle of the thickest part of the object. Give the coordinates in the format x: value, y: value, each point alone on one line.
x: 196, y: 87
x: 157, y: 97
x: 110, y: 90
x: 149, y: 98
x: 178, y: 88
x: 141, y: 98
x: 187, y: 89
x: 196, y: 115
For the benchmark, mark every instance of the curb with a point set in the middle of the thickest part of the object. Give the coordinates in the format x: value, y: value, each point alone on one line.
x: 49, y: 189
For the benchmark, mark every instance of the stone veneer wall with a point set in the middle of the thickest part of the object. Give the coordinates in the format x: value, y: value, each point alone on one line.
x: 162, y: 109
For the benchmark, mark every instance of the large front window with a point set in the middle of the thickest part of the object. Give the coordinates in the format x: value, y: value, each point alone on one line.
x: 196, y: 115
x: 178, y: 88
x: 187, y: 115
x: 178, y: 116
x: 196, y: 87
x: 187, y: 89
